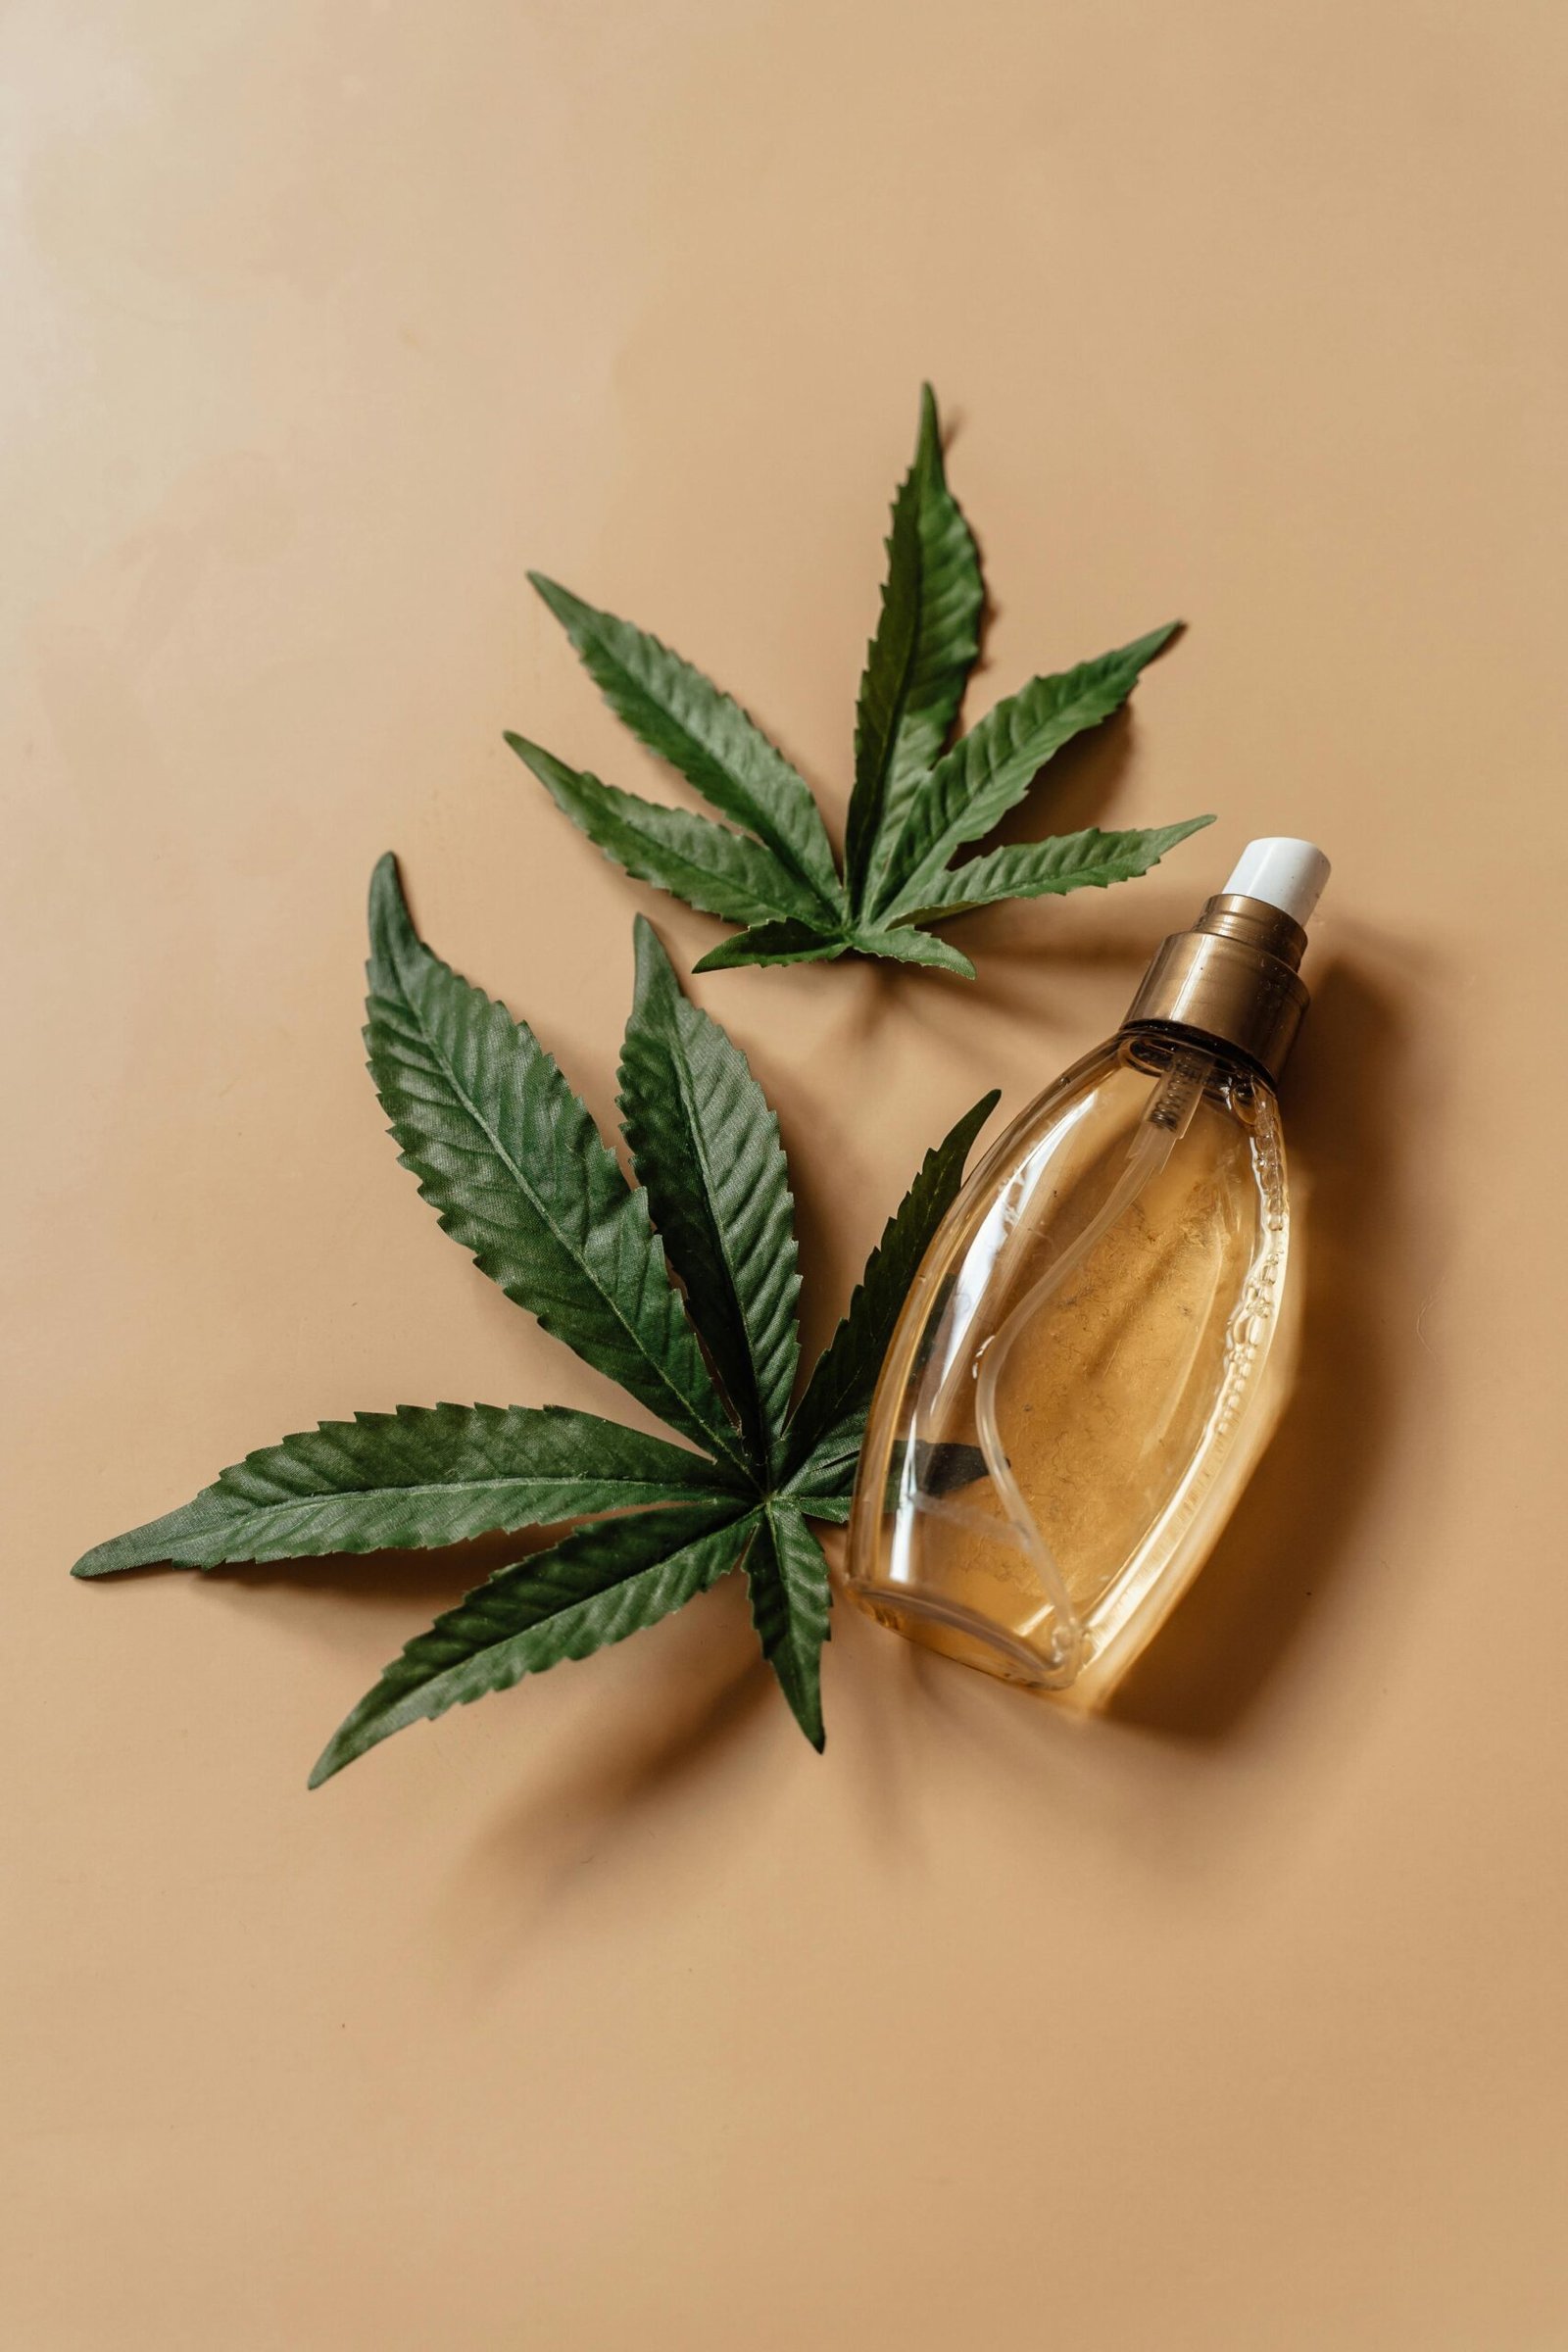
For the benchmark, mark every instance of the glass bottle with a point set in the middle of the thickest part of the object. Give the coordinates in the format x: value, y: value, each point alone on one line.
x: 1098, y: 1346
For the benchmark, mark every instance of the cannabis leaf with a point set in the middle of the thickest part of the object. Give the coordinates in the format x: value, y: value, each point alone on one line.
x: 681, y: 1286
x: 914, y: 805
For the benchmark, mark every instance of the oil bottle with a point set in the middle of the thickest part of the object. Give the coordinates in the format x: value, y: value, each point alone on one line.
x: 1101, y: 1339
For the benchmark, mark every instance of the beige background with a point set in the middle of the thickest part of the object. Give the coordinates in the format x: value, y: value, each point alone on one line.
x: 604, y: 2015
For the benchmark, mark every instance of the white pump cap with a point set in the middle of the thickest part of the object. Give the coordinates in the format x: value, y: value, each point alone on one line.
x: 1288, y: 875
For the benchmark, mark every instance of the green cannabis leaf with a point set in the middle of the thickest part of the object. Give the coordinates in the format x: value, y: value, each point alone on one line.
x: 914, y: 805
x: 680, y: 1286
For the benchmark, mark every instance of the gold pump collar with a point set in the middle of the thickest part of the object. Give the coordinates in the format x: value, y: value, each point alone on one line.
x: 1232, y: 980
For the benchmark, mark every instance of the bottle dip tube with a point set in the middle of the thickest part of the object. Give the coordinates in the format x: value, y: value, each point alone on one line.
x: 1102, y: 1336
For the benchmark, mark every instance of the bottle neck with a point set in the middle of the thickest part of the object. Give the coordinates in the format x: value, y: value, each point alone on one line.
x: 1231, y: 981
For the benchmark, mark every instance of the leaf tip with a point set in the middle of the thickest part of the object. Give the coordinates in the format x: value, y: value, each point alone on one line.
x: 928, y: 444
x: 391, y: 927
x: 807, y: 1706
x: 566, y: 606
x: 651, y: 959
x: 148, y: 1546
x: 716, y: 958
x: 340, y: 1749
x: 558, y: 779
x: 803, y: 1698
x: 1144, y: 650
x: 104, y: 1560
x: 951, y: 960
x: 1166, y: 838
x: 388, y: 906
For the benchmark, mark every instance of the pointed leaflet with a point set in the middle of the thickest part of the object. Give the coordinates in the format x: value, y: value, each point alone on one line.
x: 943, y: 1468
x: 407, y: 1481
x: 1066, y: 862
x: 828, y: 1426
x: 834, y: 1507
x: 518, y: 1172
x: 904, y: 945
x: 594, y: 1588
x: 926, y: 642
x: 991, y: 768
x: 790, y: 1600
x: 712, y: 869
x: 706, y: 1148
x: 771, y: 943
x: 684, y: 717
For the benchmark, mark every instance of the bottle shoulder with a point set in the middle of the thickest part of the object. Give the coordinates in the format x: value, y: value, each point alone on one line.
x: 1110, y: 1089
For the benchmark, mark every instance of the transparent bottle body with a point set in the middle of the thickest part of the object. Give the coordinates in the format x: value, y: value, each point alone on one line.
x: 1088, y: 1366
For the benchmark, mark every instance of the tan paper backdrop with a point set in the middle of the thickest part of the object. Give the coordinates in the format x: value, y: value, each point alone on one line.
x: 605, y: 2015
